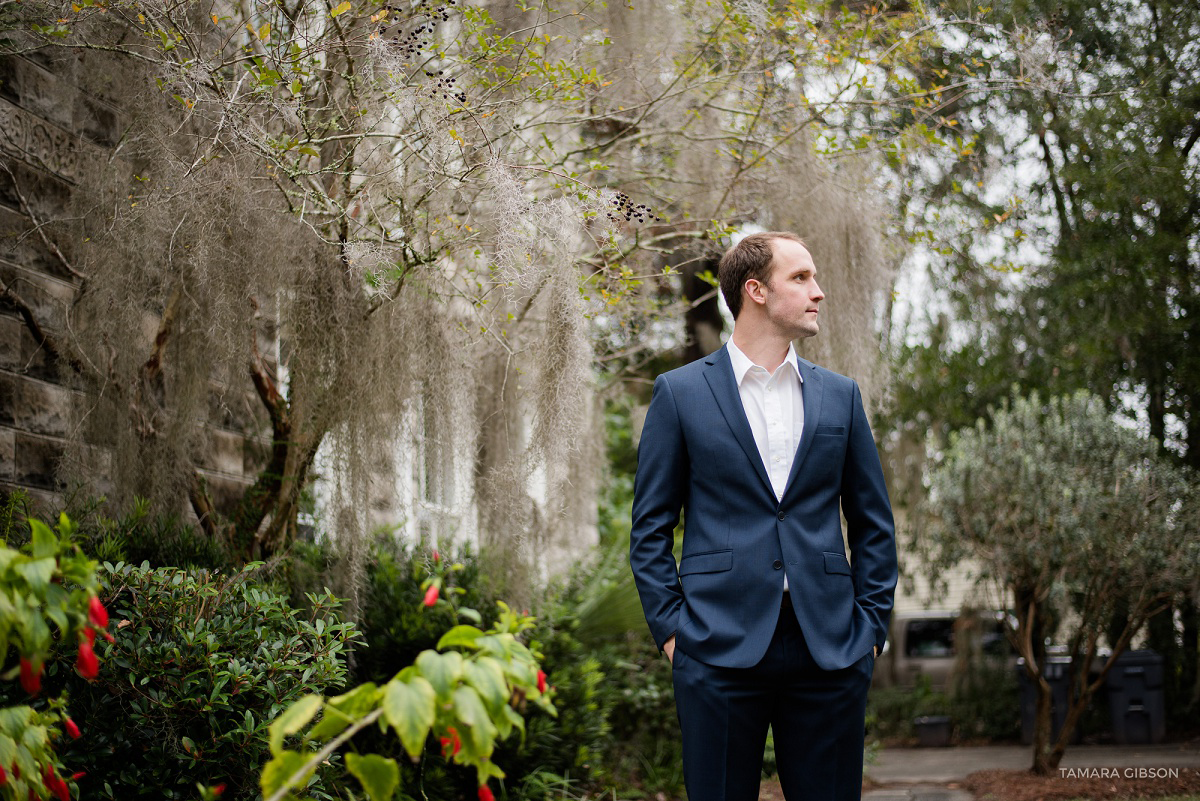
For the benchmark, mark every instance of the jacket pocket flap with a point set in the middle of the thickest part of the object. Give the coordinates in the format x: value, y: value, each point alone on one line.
x: 836, y: 563
x: 833, y: 430
x: 712, y: 562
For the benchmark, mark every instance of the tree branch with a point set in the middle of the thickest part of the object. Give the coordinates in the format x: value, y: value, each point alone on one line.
x: 43, y: 339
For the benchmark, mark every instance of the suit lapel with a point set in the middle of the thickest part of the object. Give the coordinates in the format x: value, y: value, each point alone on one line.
x: 720, y: 379
x: 812, y: 391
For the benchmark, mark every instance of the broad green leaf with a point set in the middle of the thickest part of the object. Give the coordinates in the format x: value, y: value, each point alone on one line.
x: 37, y: 572
x: 332, y: 723
x: 470, y: 710
x: 442, y: 670
x: 283, y: 767
x: 292, y: 720
x: 410, y: 709
x: 8, y: 750
x: 43, y: 543
x: 378, y: 775
x: 358, y: 702
x: 487, y: 677
x: 459, y: 636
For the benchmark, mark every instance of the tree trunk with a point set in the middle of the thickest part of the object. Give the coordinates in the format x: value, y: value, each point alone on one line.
x: 1043, y: 761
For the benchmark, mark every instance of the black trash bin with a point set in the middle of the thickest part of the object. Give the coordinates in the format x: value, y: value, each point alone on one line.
x: 1058, y: 675
x: 1135, y: 697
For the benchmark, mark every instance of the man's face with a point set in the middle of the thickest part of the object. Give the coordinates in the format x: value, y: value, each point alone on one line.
x: 791, y: 292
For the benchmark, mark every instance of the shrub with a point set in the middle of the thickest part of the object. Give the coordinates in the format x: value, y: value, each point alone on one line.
x: 139, y: 536
x: 47, y: 582
x: 468, y: 699
x: 891, y: 709
x: 200, y: 666
x: 985, y: 701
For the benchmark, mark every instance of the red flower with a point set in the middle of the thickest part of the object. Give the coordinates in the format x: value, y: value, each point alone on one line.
x: 541, y: 681
x: 3, y: 776
x: 485, y: 794
x: 87, y: 664
x: 219, y: 789
x: 77, y: 775
x: 97, y: 613
x: 71, y: 728
x: 56, y: 785
x: 431, y: 595
x: 437, y: 557
x: 451, y: 744
x: 31, y: 678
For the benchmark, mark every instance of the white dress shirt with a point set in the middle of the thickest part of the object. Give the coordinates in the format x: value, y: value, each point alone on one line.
x: 774, y: 407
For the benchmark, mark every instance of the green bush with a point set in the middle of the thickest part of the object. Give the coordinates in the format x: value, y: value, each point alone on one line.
x: 616, y: 717
x: 395, y: 623
x: 891, y: 710
x: 138, y: 536
x: 985, y: 702
x: 200, y: 665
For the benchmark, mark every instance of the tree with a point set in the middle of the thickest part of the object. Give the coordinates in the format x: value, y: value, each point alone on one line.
x: 437, y: 205
x: 1079, y: 182
x: 1069, y: 516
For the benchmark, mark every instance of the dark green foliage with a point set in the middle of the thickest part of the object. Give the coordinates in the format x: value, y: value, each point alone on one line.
x: 985, y: 702
x: 395, y: 624
x: 891, y: 710
x: 616, y: 716
x: 200, y: 665
x: 138, y: 536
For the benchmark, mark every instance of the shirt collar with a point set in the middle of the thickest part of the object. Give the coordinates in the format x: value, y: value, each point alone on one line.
x: 741, y: 362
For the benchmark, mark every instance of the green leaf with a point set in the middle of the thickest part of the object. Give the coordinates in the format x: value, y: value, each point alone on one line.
x: 378, y: 775
x: 292, y: 720
x: 281, y: 769
x: 442, y: 670
x: 43, y: 542
x: 486, y: 675
x: 470, y: 710
x: 340, y: 9
x: 410, y: 709
x: 357, y: 702
x: 37, y: 572
x: 332, y: 723
x: 460, y: 636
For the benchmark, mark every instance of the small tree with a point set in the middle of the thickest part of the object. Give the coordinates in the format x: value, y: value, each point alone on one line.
x: 1066, y: 512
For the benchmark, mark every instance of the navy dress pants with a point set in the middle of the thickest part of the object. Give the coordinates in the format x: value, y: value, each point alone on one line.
x: 817, y: 717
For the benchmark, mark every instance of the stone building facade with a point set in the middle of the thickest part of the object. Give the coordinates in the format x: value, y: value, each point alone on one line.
x: 49, y: 129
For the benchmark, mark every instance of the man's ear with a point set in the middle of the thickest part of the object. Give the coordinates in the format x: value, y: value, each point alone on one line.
x: 755, y: 290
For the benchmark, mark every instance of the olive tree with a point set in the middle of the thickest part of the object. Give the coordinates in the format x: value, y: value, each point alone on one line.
x: 1069, y: 515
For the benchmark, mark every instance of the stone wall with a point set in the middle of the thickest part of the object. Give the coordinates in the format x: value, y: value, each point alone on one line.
x: 49, y: 129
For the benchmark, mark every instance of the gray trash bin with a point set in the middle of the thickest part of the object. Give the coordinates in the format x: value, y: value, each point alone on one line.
x: 1058, y: 675
x: 1135, y: 697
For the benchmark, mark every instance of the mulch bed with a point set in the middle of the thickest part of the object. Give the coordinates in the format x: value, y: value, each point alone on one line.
x: 1020, y: 785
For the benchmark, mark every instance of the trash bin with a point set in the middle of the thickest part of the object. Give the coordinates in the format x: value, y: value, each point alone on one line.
x: 1058, y: 675
x: 1135, y: 697
x: 933, y: 731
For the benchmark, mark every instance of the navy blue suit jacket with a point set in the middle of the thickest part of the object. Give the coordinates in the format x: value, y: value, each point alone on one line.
x: 697, y: 454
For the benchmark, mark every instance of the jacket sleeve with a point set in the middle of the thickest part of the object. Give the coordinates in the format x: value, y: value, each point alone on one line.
x: 659, y: 490
x: 871, y: 531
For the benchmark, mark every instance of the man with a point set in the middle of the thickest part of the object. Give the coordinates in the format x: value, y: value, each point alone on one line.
x: 766, y: 622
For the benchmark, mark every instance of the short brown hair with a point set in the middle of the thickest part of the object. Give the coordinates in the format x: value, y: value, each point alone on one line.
x: 750, y: 258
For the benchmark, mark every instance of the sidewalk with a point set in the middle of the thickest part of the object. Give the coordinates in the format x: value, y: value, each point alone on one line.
x: 922, y: 774
x: 914, y: 765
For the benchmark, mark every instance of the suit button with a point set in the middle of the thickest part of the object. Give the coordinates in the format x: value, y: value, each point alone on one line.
x: 782, y: 516
x: 777, y: 565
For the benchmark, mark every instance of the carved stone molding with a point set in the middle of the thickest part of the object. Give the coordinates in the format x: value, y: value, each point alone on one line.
x: 35, y: 141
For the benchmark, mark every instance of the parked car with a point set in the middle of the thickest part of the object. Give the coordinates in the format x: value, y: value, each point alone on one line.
x: 925, y: 643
